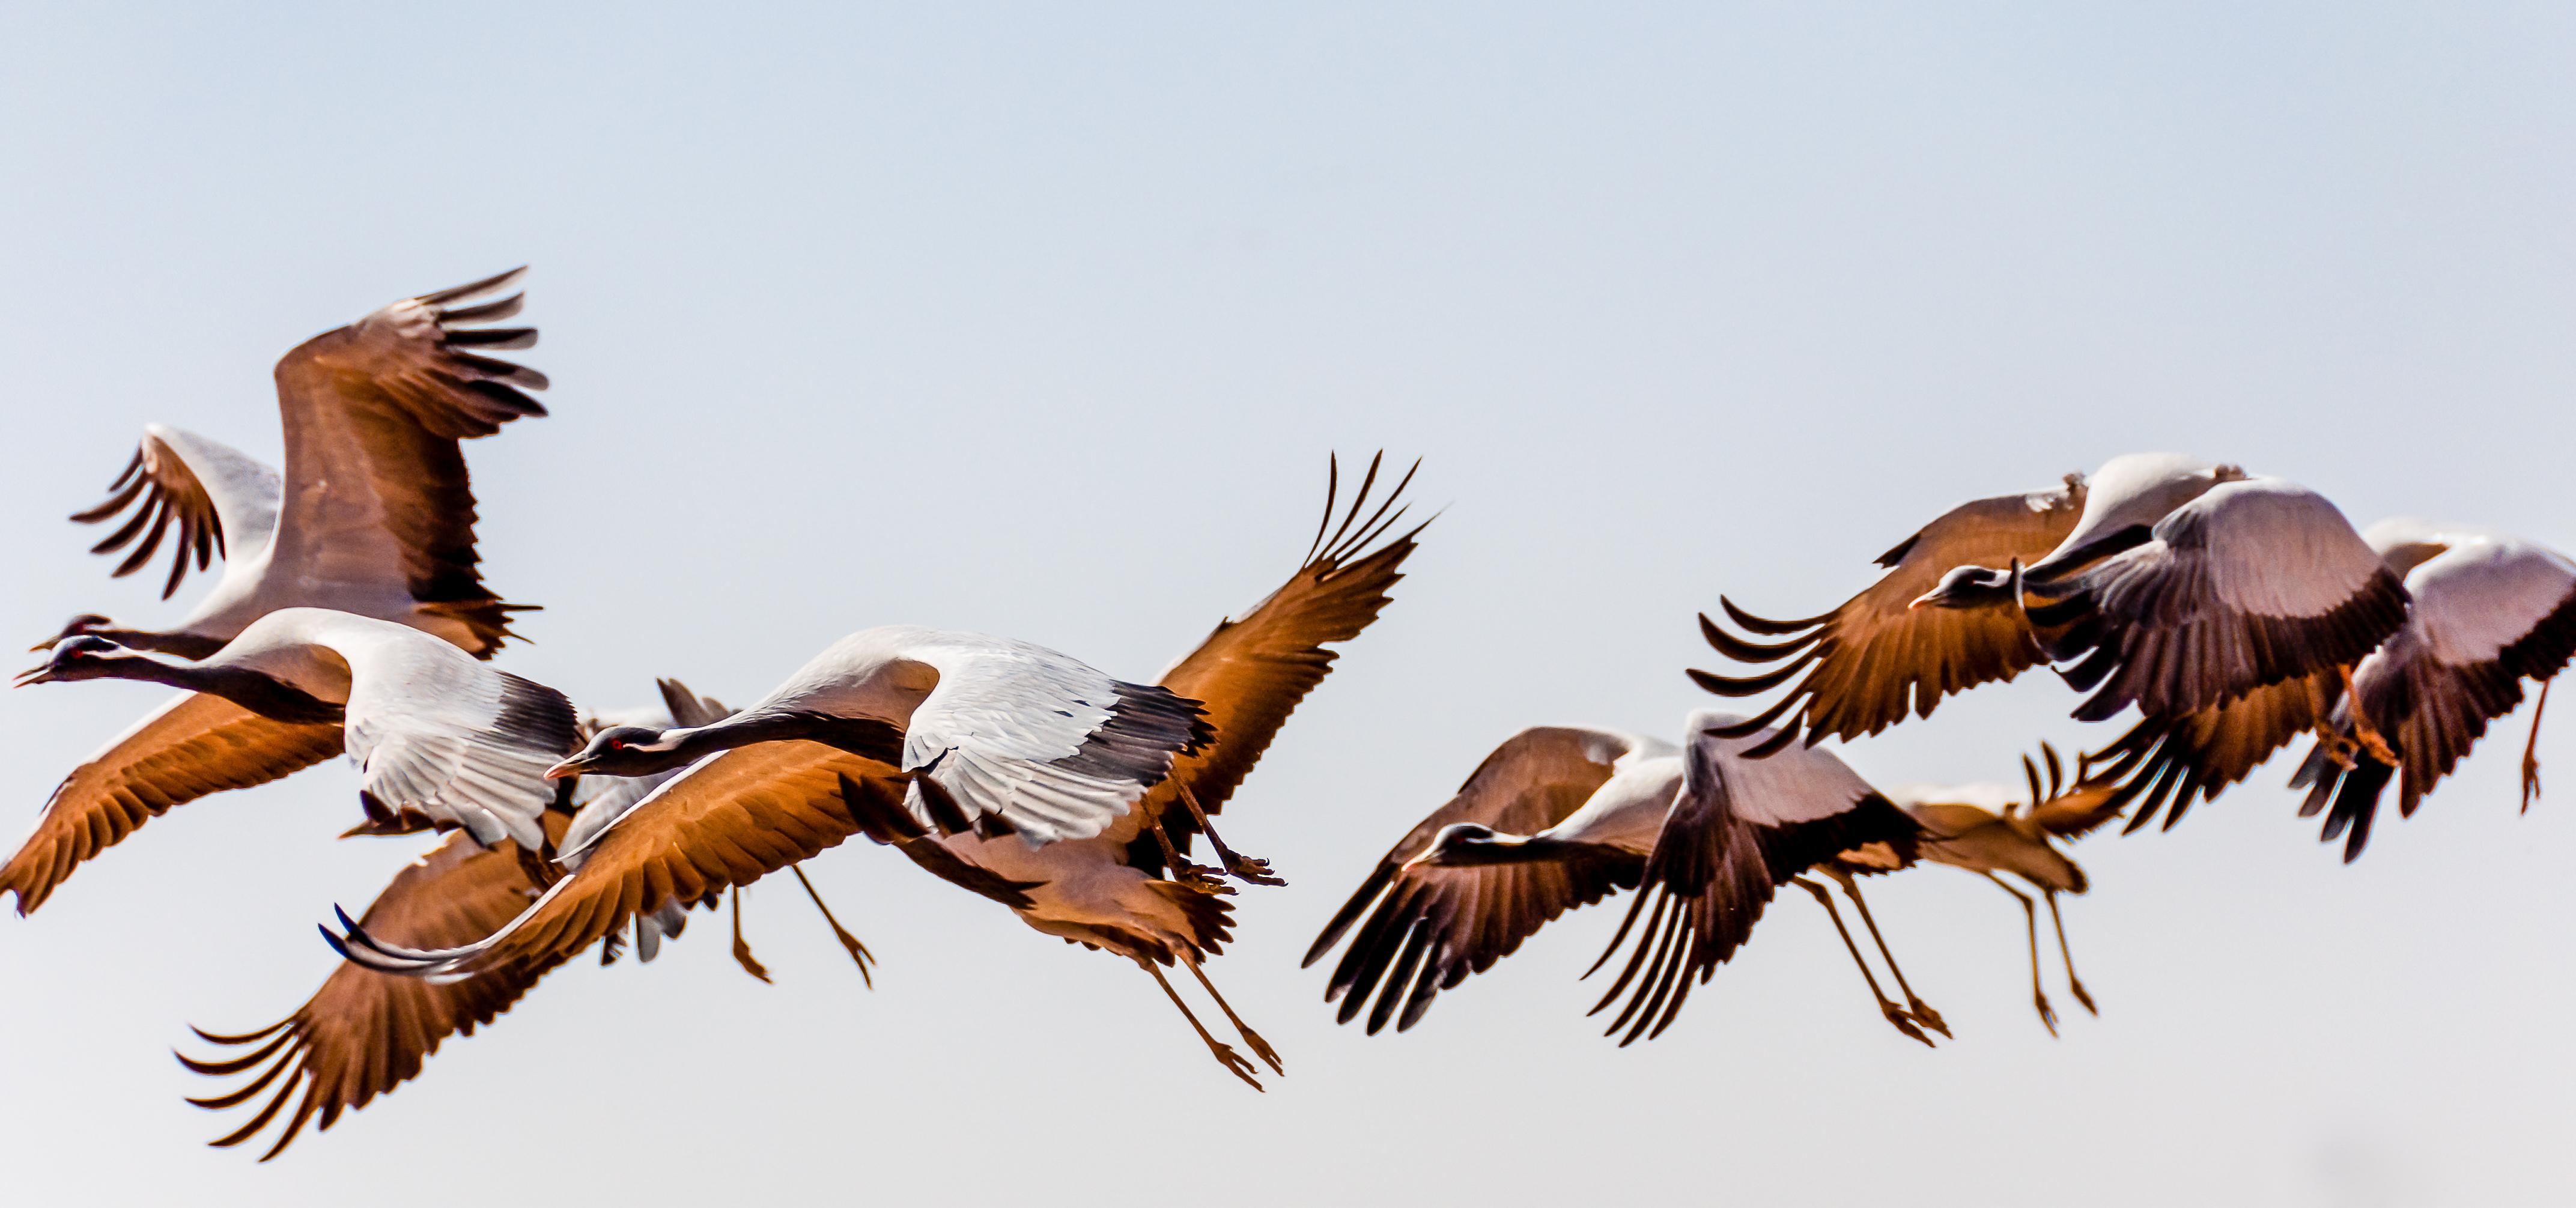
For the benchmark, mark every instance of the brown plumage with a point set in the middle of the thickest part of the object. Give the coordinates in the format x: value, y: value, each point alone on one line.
x: 365, y: 1033
x: 2164, y: 764
x: 1433, y: 925
x: 1873, y: 659
x: 757, y: 808
x: 2021, y: 838
x: 169, y: 491
x: 195, y: 745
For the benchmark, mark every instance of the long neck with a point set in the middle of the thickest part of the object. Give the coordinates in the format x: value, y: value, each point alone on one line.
x: 270, y: 698
x: 184, y: 645
x: 871, y: 739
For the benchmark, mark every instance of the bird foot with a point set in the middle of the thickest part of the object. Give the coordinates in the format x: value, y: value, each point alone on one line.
x: 1903, y: 1022
x: 1235, y: 1064
x: 2047, y: 1013
x: 2530, y: 780
x: 1201, y: 877
x: 1261, y: 1048
x: 1922, y: 1011
x: 750, y: 965
x: 1250, y: 871
x: 2082, y: 997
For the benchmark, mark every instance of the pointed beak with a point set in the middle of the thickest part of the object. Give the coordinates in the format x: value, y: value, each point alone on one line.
x: 33, y: 675
x: 569, y: 767
x: 1926, y: 600
x: 47, y: 644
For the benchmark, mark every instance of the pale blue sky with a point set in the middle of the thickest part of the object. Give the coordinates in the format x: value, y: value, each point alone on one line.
x: 1040, y: 320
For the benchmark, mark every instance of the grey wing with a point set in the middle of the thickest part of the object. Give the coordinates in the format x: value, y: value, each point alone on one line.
x: 2253, y: 583
x: 2487, y: 614
x: 1428, y: 928
x: 1023, y: 738
x: 215, y: 497
x: 1739, y: 829
x: 442, y: 737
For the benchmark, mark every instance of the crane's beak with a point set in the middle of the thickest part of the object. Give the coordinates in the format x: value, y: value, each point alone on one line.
x: 40, y: 674
x: 569, y: 767
x: 1928, y: 599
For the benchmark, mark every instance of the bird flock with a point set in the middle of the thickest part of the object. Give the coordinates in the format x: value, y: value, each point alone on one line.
x: 2229, y: 613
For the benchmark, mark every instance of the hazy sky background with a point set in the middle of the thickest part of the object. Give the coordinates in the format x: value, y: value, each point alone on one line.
x: 1041, y: 321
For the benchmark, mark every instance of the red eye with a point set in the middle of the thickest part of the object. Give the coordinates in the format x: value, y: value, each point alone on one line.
x: 617, y: 744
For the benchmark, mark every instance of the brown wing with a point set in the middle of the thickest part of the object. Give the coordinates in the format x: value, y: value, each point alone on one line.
x: 164, y: 491
x: 727, y: 821
x: 193, y: 746
x: 1434, y: 926
x: 377, y: 492
x: 1252, y: 672
x: 2166, y: 763
x: 365, y: 1033
x: 1868, y: 661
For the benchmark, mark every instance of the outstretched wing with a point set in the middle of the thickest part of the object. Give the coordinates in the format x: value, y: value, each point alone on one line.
x: 188, y: 748
x: 2253, y: 583
x: 1253, y: 671
x: 1741, y: 827
x: 215, y: 495
x: 1433, y: 926
x: 365, y: 1033
x: 377, y: 493
x: 2487, y: 614
x: 450, y: 740
x: 729, y: 820
x: 1022, y: 738
x: 2164, y: 763
x: 1869, y: 661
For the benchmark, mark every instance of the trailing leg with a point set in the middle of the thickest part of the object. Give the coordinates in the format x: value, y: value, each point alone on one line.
x: 741, y: 950
x: 2073, y: 983
x: 1242, y: 867
x: 1260, y: 1048
x: 1914, y: 1005
x: 2030, y: 914
x: 1225, y: 1056
x: 1894, y: 1014
x: 850, y: 943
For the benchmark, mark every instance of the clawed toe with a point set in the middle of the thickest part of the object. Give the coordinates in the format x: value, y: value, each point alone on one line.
x: 2047, y: 1013
x: 1923, y: 1012
x: 1903, y: 1022
x: 1261, y: 1048
x: 1252, y: 871
x: 1235, y: 1064
x: 2081, y: 997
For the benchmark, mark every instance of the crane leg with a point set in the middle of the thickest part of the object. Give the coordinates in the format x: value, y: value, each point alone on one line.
x: 2531, y: 750
x: 1914, y: 1005
x: 1225, y: 1056
x: 1179, y: 867
x: 1895, y: 1014
x: 1260, y: 1048
x: 849, y: 943
x: 741, y: 950
x: 1241, y: 867
x: 2363, y: 733
x: 2030, y: 915
x: 2073, y: 982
